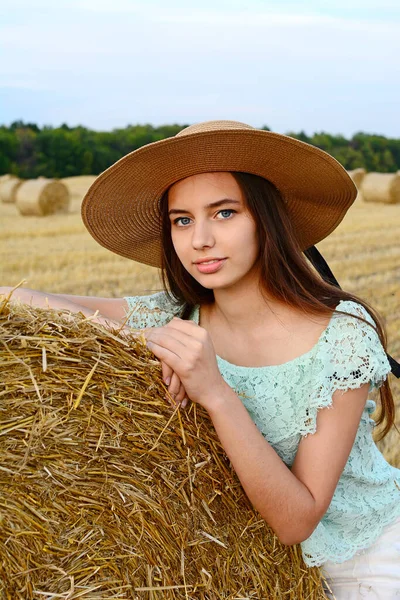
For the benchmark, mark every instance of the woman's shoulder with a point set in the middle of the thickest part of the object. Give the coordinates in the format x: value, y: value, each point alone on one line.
x: 352, y: 349
x: 153, y: 310
x: 352, y: 309
x: 352, y: 320
x: 352, y: 329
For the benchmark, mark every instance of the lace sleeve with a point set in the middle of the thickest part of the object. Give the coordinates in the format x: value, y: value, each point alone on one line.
x: 351, y: 356
x: 356, y: 353
x: 155, y: 310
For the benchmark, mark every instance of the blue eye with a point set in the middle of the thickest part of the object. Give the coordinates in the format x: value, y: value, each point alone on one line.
x: 227, y: 210
x: 179, y: 220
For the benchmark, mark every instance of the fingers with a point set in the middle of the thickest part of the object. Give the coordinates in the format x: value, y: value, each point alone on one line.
x: 175, y: 386
x: 181, y: 393
x: 161, y: 341
x: 176, y: 390
x: 166, y: 373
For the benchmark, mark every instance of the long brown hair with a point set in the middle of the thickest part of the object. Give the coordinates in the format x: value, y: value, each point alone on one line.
x: 285, y: 273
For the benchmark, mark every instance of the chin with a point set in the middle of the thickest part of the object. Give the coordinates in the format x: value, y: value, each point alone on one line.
x: 223, y: 285
x: 216, y: 281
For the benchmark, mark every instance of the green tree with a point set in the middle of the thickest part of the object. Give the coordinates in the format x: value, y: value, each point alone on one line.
x: 30, y: 151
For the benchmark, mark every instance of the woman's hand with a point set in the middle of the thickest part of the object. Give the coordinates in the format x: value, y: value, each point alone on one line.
x: 187, y: 349
x: 175, y: 386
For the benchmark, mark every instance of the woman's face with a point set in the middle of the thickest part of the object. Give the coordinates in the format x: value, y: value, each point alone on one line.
x: 209, y: 220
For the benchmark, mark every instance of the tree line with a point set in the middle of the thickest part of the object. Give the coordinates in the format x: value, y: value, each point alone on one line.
x: 29, y: 151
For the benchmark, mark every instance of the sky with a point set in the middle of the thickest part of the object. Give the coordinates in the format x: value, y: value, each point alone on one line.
x: 307, y: 65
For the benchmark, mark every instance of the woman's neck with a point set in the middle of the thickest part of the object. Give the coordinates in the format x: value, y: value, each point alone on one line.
x: 242, y: 310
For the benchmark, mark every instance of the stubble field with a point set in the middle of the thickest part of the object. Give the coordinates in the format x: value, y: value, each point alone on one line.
x: 57, y: 254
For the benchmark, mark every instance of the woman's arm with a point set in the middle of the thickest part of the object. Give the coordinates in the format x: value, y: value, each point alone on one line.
x: 111, y: 310
x: 292, y: 501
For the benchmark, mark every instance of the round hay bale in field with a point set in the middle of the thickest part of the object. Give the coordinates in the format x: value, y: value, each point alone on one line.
x: 105, y: 492
x: 41, y: 197
x: 6, y: 177
x: 357, y: 176
x: 381, y: 187
x: 9, y: 188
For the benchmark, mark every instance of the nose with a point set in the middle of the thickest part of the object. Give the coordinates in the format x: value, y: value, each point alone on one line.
x: 203, y: 236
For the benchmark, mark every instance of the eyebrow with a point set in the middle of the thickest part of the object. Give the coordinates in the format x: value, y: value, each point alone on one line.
x: 175, y: 211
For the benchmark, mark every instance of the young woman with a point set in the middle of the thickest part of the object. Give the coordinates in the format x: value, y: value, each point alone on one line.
x: 282, y: 360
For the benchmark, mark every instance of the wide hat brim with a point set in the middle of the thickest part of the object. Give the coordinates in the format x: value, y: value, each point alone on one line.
x: 121, y: 208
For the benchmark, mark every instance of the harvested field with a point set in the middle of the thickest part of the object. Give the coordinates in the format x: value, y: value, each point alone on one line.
x: 58, y: 255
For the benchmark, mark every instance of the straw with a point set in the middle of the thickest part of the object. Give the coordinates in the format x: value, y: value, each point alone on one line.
x: 107, y: 493
x: 41, y: 197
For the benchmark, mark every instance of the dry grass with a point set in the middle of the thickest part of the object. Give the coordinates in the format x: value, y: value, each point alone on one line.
x: 381, y: 187
x: 104, y: 493
x: 9, y: 186
x: 56, y: 254
x: 42, y: 197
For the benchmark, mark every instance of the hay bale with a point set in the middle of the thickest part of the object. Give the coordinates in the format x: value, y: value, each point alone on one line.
x: 5, y: 177
x: 8, y: 189
x: 40, y: 197
x: 381, y: 187
x: 357, y: 176
x: 105, y: 492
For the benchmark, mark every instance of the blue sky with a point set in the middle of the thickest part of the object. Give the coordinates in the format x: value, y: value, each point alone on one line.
x: 331, y: 66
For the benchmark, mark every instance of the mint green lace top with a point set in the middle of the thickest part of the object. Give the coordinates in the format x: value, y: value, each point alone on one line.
x: 283, y: 401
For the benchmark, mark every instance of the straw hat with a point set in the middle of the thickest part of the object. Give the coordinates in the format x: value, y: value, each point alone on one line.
x: 121, y: 208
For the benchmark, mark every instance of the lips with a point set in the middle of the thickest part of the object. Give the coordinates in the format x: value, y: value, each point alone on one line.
x: 211, y: 267
x: 201, y: 261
